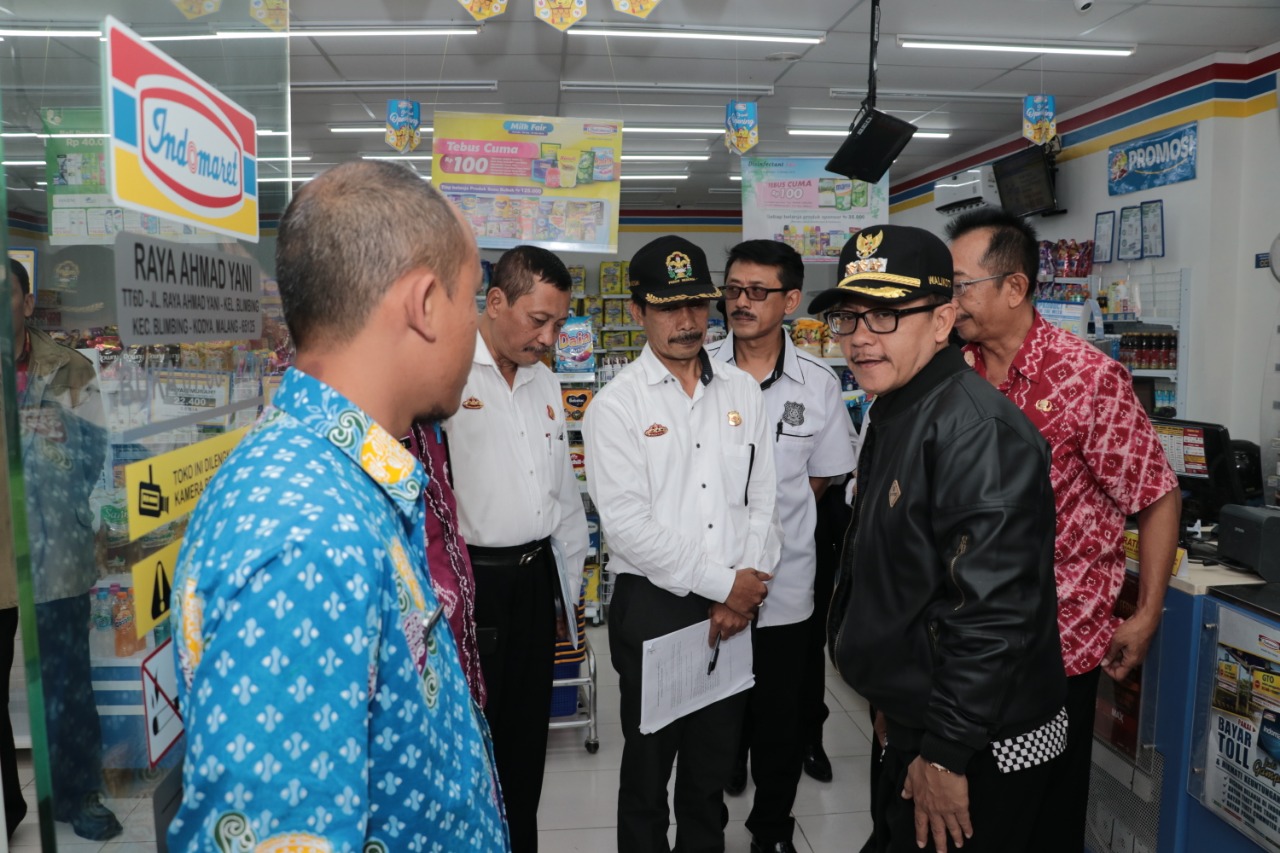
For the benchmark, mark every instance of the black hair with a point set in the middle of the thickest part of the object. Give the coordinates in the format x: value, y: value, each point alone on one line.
x: 19, y: 272
x: 770, y: 253
x: 519, y: 269
x: 1014, y: 246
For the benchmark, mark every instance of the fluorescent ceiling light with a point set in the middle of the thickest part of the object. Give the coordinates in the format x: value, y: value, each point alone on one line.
x: 348, y: 32
x: 71, y: 135
x: 369, y: 129
x: 655, y: 177
x: 1072, y: 48
x: 42, y: 183
x: 922, y: 95
x: 51, y: 33
x: 646, y: 190
x: 23, y: 163
x: 262, y: 132
x: 725, y: 191
x: 744, y: 90
x: 692, y: 131
x: 388, y: 85
x: 302, y: 158
x: 25, y: 134
x: 735, y: 177
x: 426, y: 157
x: 701, y: 33
x: 662, y: 158
x: 296, y: 179
x: 813, y: 131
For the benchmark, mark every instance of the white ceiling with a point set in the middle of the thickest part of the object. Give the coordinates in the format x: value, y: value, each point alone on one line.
x: 529, y: 59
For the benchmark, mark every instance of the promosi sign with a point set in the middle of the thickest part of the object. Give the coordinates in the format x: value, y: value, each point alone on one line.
x: 178, y: 148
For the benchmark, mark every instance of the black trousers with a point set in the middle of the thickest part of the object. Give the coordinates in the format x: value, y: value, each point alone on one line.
x: 15, y: 807
x: 1004, y: 808
x: 771, y: 729
x: 705, y: 740
x: 1063, y: 831
x: 515, y: 630
x: 828, y: 534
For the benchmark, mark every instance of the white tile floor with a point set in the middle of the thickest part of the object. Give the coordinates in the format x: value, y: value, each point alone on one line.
x: 580, y: 794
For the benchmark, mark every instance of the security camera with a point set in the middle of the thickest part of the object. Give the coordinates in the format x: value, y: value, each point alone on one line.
x: 1083, y: 5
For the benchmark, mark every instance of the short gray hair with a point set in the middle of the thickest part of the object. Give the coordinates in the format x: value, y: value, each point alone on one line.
x: 353, y: 231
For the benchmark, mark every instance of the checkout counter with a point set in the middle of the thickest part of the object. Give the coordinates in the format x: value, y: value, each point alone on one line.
x: 1187, y: 753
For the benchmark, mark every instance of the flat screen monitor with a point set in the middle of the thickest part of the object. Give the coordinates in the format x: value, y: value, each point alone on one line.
x: 1025, y: 182
x: 1201, y: 456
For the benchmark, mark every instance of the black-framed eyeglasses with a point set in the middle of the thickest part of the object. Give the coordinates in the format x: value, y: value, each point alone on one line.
x: 959, y: 288
x: 755, y: 292
x: 880, y: 321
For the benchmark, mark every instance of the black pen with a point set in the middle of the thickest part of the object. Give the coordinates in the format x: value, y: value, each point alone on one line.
x: 433, y: 619
x: 715, y: 656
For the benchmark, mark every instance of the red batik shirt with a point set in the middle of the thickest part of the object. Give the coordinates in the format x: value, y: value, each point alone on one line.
x: 1108, y: 463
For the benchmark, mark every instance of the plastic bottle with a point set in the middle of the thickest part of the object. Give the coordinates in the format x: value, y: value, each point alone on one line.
x: 102, y: 641
x: 122, y: 623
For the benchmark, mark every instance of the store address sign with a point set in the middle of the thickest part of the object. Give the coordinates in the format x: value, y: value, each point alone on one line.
x: 178, y: 148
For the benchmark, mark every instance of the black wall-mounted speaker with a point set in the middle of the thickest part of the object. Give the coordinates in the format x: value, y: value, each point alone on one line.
x: 874, y: 141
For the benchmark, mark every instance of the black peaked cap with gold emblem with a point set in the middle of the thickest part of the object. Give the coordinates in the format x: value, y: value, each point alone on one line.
x: 889, y: 264
x: 671, y: 269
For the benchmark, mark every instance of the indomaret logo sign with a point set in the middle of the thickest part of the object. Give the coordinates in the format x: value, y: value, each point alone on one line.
x: 178, y: 148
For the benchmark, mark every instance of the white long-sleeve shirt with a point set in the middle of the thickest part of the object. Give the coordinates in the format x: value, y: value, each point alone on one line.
x: 685, y: 485
x: 511, y: 470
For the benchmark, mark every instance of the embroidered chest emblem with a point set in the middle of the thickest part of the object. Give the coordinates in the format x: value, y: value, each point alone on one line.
x: 793, y: 413
x: 735, y: 419
x: 655, y: 430
x: 472, y: 403
x: 1044, y: 406
x: 895, y: 492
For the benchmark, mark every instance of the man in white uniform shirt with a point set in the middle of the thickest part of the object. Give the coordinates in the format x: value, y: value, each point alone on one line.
x: 520, y: 512
x: 812, y: 442
x: 679, y: 453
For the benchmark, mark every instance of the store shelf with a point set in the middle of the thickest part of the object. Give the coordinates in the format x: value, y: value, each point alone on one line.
x: 576, y: 378
x: 615, y: 295
x: 622, y: 328
x: 1170, y: 375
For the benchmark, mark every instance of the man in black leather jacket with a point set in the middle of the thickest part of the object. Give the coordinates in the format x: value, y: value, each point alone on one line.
x: 945, y: 612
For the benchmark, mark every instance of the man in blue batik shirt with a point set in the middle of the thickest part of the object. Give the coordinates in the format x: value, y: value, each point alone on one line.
x: 325, y: 706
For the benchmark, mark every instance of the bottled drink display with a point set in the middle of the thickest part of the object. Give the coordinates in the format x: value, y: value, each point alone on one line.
x: 1149, y: 350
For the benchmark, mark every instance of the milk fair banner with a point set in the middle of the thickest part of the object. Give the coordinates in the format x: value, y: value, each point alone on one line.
x: 797, y: 201
x: 1168, y: 157
x: 531, y: 179
x: 177, y: 148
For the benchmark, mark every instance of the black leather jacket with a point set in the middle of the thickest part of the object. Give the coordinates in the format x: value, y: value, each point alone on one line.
x: 945, y: 613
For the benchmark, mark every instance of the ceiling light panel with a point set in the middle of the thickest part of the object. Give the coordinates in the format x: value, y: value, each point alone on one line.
x: 729, y: 89
x: 700, y: 33
x: 1070, y: 48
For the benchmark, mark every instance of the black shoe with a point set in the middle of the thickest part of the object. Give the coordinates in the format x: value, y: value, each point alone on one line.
x: 738, y: 779
x: 816, y: 764
x: 758, y: 846
x: 93, y: 820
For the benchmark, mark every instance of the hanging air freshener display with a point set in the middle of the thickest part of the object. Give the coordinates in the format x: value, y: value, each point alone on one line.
x: 404, y: 119
x: 741, y: 127
x: 1038, y: 118
x: 560, y: 14
x: 638, y: 8
x: 482, y: 9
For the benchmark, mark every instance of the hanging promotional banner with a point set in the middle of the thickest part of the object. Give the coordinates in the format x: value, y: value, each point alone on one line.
x: 482, y: 9
x: 177, y: 147
x: 560, y: 14
x: 637, y: 8
x: 797, y: 201
x: 1038, y: 118
x: 531, y: 179
x: 272, y: 13
x: 403, y: 125
x: 192, y: 9
x: 1168, y: 157
x: 80, y: 207
x: 1242, y: 749
x: 741, y: 127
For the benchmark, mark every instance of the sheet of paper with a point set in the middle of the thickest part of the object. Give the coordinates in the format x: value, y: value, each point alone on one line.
x: 674, y: 679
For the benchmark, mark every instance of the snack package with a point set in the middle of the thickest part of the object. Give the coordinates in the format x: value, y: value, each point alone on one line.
x: 611, y: 278
x: 576, y: 401
x: 615, y: 312
x: 579, y: 277
x: 578, y: 459
x: 615, y: 340
x: 603, y: 168
x: 808, y: 335
x: 592, y: 308
x: 575, y: 347
x: 639, y: 339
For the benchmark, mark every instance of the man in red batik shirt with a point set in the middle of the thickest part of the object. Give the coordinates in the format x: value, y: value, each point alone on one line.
x: 1107, y: 464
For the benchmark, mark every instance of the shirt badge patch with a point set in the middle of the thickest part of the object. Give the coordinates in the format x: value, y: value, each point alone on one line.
x: 472, y: 403
x: 1044, y: 406
x: 793, y: 413
x: 735, y: 419
x: 679, y: 268
x: 895, y: 492
x: 655, y: 430
x: 551, y: 413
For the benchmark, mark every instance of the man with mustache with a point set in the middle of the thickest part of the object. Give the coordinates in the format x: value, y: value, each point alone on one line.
x: 813, y: 441
x: 520, y: 512
x: 679, y: 455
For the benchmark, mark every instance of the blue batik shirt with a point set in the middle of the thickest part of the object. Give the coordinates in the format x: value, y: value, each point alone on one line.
x: 325, y: 707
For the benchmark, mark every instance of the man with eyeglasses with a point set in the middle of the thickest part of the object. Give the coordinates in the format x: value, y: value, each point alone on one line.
x: 1108, y: 463
x: 813, y: 441
x: 943, y: 616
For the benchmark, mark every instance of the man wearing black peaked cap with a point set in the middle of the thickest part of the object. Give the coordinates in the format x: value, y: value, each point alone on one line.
x: 944, y: 616
x: 679, y: 461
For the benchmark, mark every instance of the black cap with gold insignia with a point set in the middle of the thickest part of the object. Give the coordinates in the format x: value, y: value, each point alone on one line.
x: 889, y: 264
x: 671, y: 269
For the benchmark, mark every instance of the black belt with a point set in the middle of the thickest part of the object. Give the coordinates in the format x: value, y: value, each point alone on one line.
x: 515, y: 555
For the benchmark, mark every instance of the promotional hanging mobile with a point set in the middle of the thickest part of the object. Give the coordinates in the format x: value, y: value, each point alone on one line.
x: 560, y: 14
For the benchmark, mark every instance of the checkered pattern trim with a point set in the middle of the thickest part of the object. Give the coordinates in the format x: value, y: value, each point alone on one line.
x: 1033, y: 748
